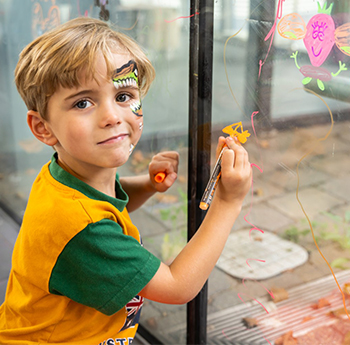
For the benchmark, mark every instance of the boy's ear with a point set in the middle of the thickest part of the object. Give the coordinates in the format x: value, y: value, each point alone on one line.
x: 40, y: 128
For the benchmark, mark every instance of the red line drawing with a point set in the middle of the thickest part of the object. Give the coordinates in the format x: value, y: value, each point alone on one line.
x: 182, y: 17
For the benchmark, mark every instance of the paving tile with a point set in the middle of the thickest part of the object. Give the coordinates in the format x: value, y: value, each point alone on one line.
x: 219, y: 282
x: 288, y: 203
x: 222, y: 300
x: 338, y: 187
x: 288, y: 177
x: 286, y: 280
x: 266, y: 217
x: 336, y: 165
x: 262, y: 189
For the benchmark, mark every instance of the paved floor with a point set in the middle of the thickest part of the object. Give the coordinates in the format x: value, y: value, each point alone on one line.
x: 324, y: 192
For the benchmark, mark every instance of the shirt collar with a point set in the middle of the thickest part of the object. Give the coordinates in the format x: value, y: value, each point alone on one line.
x: 64, y: 177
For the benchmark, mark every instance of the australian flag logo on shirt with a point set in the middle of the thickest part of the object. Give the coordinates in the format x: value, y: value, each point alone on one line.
x: 133, y: 309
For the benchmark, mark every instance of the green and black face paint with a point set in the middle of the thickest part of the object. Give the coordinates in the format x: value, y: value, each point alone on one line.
x: 127, y: 76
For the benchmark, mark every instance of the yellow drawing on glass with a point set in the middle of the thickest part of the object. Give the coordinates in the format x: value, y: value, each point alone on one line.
x: 232, y: 131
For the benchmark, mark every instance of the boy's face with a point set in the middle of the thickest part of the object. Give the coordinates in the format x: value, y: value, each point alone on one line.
x: 96, y: 125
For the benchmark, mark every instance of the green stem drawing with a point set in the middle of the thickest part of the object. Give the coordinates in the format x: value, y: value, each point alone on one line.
x: 294, y: 56
x: 342, y: 67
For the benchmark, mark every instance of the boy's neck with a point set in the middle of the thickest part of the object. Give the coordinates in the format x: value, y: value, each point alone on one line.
x: 102, y: 180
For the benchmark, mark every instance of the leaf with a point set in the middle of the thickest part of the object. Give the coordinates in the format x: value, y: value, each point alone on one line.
x: 346, y: 49
x: 290, y: 34
x: 320, y: 84
x: 339, y: 263
x: 306, y: 80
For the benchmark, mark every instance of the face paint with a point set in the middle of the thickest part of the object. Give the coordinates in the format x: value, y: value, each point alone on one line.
x: 126, y: 75
x: 131, y: 148
x: 141, y: 126
x: 136, y: 108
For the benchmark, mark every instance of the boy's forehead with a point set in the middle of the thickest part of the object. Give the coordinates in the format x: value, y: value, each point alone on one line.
x: 118, y: 63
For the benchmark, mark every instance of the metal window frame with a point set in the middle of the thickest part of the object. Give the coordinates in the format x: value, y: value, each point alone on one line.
x: 199, y: 143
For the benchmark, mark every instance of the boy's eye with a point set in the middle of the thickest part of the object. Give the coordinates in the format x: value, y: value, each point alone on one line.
x: 123, y: 97
x: 83, y: 104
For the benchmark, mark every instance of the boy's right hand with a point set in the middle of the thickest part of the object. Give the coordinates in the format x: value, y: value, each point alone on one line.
x: 236, y: 172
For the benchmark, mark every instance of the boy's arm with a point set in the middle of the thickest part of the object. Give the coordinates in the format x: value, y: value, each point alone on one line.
x: 182, y: 280
x: 141, y: 188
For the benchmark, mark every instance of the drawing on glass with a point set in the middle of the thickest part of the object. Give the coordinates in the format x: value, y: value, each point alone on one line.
x: 40, y: 24
x: 319, y: 36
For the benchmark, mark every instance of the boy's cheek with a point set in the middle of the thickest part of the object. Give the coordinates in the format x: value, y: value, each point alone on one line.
x: 137, y: 132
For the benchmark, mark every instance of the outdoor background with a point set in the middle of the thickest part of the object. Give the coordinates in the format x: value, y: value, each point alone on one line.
x: 299, y: 145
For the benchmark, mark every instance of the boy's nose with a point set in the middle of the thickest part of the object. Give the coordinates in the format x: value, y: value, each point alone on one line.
x: 110, y: 116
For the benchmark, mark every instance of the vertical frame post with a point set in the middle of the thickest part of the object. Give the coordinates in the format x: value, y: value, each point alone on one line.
x: 200, y: 106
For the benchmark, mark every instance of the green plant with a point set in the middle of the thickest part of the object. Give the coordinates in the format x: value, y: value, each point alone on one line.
x: 339, y: 229
x: 294, y: 233
x: 335, y: 229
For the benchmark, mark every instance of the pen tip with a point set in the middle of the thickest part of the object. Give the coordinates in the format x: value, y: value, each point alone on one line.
x: 203, y: 206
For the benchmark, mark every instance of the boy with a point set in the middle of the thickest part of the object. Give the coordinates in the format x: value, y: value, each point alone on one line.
x: 78, y: 263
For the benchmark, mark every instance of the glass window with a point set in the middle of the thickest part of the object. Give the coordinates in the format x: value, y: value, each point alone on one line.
x: 160, y: 29
x: 282, y: 69
x: 281, y: 72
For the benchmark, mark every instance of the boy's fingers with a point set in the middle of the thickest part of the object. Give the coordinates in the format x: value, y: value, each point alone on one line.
x: 241, y: 158
x: 228, y: 160
x: 221, y: 144
x: 241, y: 155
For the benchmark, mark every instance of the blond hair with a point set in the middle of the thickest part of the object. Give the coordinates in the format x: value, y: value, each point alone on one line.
x: 56, y: 58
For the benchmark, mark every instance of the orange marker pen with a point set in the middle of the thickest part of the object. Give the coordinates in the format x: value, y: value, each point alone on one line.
x: 213, y: 181
x: 159, y: 178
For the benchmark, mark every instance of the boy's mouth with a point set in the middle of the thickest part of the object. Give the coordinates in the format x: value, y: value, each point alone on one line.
x: 113, y: 139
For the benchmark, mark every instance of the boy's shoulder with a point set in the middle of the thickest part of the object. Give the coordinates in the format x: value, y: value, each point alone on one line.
x: 66, y: 202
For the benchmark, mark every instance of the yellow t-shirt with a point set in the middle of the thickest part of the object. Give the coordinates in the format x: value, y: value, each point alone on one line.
x: 77, y: 267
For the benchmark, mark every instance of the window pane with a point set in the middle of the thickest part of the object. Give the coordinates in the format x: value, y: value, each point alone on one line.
x: 294, y: 103
x: 162, y: 29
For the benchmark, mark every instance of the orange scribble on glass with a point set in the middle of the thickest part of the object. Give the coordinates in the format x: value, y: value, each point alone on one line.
x: 292, y: 27
x: 232, y: 131
x: 40, y: 24
x: 131, y: 27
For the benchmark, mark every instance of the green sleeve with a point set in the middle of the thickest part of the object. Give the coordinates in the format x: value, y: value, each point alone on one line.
x: 102, y: 268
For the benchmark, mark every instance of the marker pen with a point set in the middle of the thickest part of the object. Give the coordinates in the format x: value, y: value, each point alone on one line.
x: 159, y: 178
x: 213, y: 181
